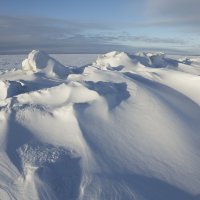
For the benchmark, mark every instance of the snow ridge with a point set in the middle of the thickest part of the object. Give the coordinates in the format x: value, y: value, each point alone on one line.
x: 40, y: 61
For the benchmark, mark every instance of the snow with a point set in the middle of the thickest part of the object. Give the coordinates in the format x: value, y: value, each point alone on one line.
x: 115, y: 60
x: 123, y: 126
x: 40, y: 61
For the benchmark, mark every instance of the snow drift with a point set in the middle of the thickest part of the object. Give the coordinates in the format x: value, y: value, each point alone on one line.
x: 40, y: 61
x: 124, y: 127
x: 120, y: 60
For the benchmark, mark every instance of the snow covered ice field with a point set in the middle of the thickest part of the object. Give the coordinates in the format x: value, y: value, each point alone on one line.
x: 88, y: 127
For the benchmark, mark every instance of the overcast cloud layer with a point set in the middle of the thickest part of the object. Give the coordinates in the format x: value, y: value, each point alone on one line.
x: 167, y: 25
x: 176, y: 7
x: 171, y: 12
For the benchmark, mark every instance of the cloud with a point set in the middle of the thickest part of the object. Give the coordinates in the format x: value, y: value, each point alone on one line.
x: 174, y: 12
x: 22, y: 34
x: 151, y: 40
x: 177, y: 7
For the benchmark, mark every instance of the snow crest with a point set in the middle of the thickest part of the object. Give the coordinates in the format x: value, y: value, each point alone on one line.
x: 122, y: 61
x: 40, y: 61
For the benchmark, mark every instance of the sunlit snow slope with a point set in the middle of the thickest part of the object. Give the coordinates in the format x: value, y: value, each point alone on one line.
x: 124, y: 127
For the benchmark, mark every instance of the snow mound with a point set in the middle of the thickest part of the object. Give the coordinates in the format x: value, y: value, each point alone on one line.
x: 158, y: 60
x: 155, y: 60
x: 3, y: 89
x: 185, y: 60
x: 120, y: 61
x: 11, y: 88
x: 113, y: 61
x: 40, y: 61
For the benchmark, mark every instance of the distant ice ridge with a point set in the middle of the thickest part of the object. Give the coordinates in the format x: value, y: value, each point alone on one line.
x: 113, y: 60
x: 122, y: 61
x: 157, y: 60
x: 40, y: 61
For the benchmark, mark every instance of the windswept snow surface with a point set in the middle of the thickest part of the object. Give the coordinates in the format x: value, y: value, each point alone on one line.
x: 124, y: 127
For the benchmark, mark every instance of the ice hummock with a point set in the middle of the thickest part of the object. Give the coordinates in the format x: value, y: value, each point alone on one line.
x: 40, y: 61
x: 122, y: 61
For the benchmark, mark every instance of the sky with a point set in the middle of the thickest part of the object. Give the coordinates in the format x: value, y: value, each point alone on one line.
x: 99, y: 26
